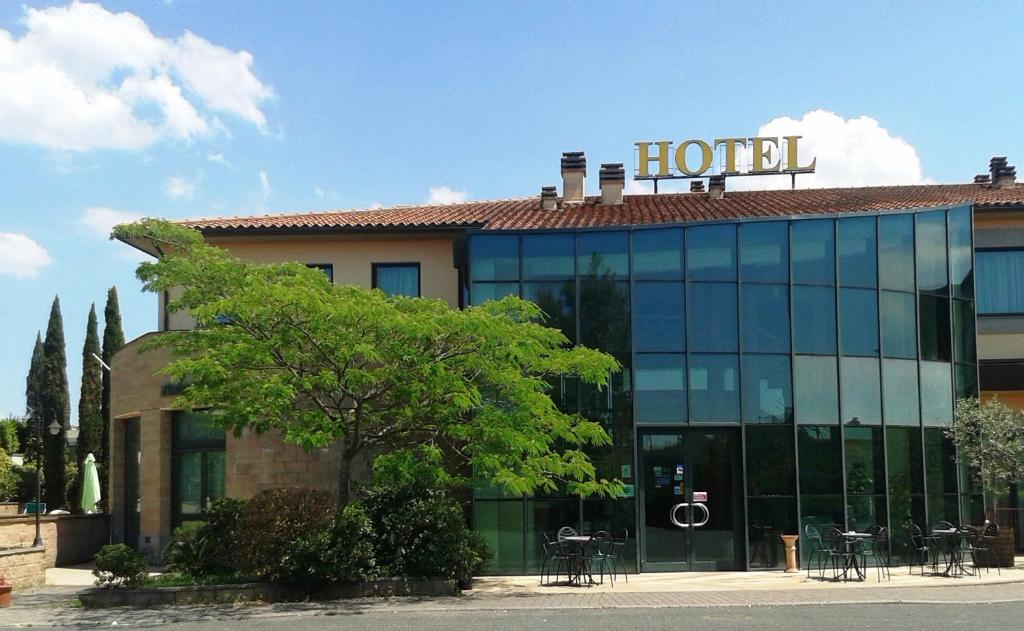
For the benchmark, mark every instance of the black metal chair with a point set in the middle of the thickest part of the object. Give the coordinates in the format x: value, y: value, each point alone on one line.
x: 618, y: 548
x: 598, y: 553
x: 919, y: 546
x: 817, y: 548
x: 566, y: 531
x: 839, y: 554
x: 555, y: 553
x: 875, y: 548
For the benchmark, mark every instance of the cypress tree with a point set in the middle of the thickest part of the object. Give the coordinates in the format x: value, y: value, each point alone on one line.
x: 56, y: 407
x: 113, y: 340
x: 90, y: 401
x: 34, y: 398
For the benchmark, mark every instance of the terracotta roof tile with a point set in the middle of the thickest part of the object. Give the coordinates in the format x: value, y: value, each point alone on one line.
x: 526, y: 213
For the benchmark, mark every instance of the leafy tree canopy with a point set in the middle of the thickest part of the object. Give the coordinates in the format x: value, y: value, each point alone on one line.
x: 989, y: 437
x: 278, y: 347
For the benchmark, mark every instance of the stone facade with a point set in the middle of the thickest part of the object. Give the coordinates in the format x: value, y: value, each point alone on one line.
x: 23, y: 567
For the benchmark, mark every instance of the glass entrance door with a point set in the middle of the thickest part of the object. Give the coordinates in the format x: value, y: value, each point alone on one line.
x: 691, y: 500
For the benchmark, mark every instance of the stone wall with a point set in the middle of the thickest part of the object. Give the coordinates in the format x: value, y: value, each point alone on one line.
x: 67, y: 539
x: 257, y: 462
x: 9, y: 508
x: 24, y: 567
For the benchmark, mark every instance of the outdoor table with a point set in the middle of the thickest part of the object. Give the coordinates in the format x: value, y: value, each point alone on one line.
x: 851, y: 539
x: 577, y: 566
x: 952, y: 540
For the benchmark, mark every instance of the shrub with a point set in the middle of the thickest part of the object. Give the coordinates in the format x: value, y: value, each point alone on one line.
x: 118, y: 565
x: 421, y: 532
x: 342, y: 553
x: 223, y: 521
x: 271, y: 525
x: 10, y: 476
x: 190, y: 550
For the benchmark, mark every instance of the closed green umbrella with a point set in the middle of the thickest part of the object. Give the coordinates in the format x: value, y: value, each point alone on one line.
x: 90, y: 485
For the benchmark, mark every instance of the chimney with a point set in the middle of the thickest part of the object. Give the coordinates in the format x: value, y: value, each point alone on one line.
x: 574, y: 176
x: 613, y: 179
x: 548, y: 198
x: 982, y: 178
x: 716, y: 186
x: 1002, y: 174
x: 696, y: 186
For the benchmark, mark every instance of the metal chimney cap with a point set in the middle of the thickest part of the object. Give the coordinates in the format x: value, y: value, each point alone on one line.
x: 612, y: 172
x: 982, y: 178
x: 549, y: 191
x: 573, y: 160
x: 697, y: 186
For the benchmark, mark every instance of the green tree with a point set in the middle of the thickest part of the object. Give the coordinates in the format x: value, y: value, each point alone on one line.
x: 56, y: 406
x: 90, y: 413
x: 9, y: 430
x: 113, y: 340
x: 409, y: 380
x: 989, y: 438
x: 34, y: 399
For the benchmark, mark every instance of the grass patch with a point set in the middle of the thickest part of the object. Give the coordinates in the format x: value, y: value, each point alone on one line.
x: 174, y: 579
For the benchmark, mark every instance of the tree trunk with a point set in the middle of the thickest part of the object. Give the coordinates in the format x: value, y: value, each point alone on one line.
x: 345, y: 476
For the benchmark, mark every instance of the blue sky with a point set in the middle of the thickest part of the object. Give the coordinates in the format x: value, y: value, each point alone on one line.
x: 346, y: 105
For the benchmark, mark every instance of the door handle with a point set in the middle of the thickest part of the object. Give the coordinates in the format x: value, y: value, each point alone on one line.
x: 707, y: 514
x: 672, y: 515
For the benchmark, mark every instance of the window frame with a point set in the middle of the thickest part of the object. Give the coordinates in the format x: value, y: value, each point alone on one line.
x: 977, y: 285
x: 391, y: 265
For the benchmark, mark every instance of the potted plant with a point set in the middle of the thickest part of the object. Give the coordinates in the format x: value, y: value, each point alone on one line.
x: 5, y: 591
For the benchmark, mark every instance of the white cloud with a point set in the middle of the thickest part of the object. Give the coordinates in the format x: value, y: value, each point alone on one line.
x: 849, y: 152
x: 180, y: 187
x: 265, y: 190
x: 100, y: 221
x: 445, y: 195
x: 21, y: 257
x: 80, y: 77
x: 220, y: 159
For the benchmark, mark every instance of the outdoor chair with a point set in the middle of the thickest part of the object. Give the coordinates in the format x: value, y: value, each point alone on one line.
x: 839, y: 554
x: 555, y: 554
x: 598, y: 555
x: 983, y: 546
x: 566, y: 531
x: 618, y: 548
x: 817, y: 549
x: 919, y: 548
x: 876, y: 549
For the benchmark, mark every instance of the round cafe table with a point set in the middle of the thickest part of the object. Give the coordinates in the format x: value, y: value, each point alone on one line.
x: 577, y: 565
x: 851, y: 539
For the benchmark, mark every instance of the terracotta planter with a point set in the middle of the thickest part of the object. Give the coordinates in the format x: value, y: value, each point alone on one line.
x: 5, y: 596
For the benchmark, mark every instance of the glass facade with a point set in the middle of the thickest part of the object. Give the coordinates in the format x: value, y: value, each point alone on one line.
x: 833, y: 346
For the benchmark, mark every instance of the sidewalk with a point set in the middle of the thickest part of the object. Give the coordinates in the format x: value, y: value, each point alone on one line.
x: 55, y: 605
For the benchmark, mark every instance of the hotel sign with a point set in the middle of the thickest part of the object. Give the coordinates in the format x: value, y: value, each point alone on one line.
x: 766, y: 155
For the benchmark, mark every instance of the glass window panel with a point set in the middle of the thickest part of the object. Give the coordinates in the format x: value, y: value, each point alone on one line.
x: 196, y: 429
x: 896, y: 251
x: 865, y: 511
x: 714, y: 388
x: 603, y: 254
x: 906, y: 466
x: 943, y: 508
x: 558, y: 301
x: 904, y: 511
x: 612, y: 403
x: 765, y: 318
x: 899, y: 392
x: 816, y: 389
x: 860, y: 390
x: 931, y: 252
x: 960, y: 259
x: 767, y: 396
x: 711, y: 252
x: 821, y: 458
x: 658, y: 254
x: 940, y: 461
x: 936, y: 344
x: 965, y: 346
x: 858, y: 322
x: 326, y: 268
x: 764, y: 252
x: 771, y: 468
x: 190, y: 482
x: 813, y: 251
x: 604, y: 314
x: 397, y: 280
x: 814, y: 319
x: 711, y: 321
x: 820, y: 511
x: 548, y: 256
x: 865, y: 461
x: 936, y: 393
x: 500, y: 523
x: 660, y: 388
x: 547, y: 516
x: 482, y: 292
x: 899, y: 325
x: 767, y: 519
x: 658, y: 316
x: 858, y: 261
x: 966, y: 380
x: 1000, y: 281
x: 214, y: 473
x: 494, y: 257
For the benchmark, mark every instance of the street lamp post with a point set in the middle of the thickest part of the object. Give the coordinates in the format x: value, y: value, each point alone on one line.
x: 54, y: 429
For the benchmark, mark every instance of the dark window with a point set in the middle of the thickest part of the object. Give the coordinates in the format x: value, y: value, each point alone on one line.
x: 858, y: 263
x: 900, y: 392
x: 931, y: 252
x: 482, y: 292
x: 326, y: 268
x: 936, y: 344
x: 711, y: 252
x: 604, y: 314
x: 770, y: 460
x: 964, y: 343
x: 819, y: 449
x: 966, y: 380
x: 906, y: 467
x: 816, y: 389
x: 858, y: 322
x: 197, y: 464
x: 896, y: 251
x: 658, y: 317
x: 501, y: 524
x: 660, y: 388
x: 658, y: 254
x: 813, y: 251
x: 1000, y: 281
x: 397, y: 279
x: 865, y: 461
x: 549, y: 257
x: 960, y: 259
x: 860, y: 388
x: 940, y: 462
x: 765, y: 318
x: 494, y: 258
x: 764, y: 252
x: 558, y: 301
x: 714, y: 388
x: 603, y: 254
x: 711, y: 321
x: 936, y: 393
x: 814, y: 319
x: 767, y: 395
x: 899, y: 325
